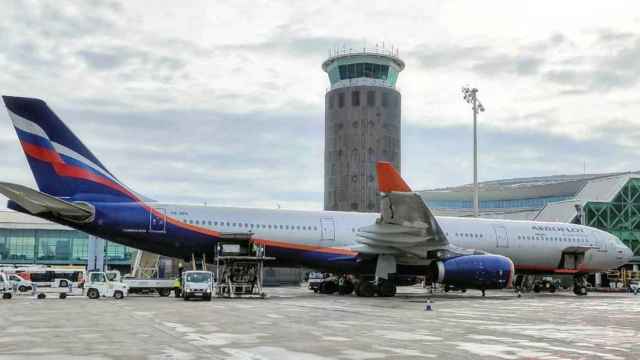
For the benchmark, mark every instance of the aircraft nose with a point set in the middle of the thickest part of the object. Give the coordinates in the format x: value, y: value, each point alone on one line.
x: 628, y: 254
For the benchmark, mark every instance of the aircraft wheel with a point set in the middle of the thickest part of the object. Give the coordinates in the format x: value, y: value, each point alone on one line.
x: 387, y: 288
x: 365, y: 289
x: 580, y: 290
x: 346, y: 288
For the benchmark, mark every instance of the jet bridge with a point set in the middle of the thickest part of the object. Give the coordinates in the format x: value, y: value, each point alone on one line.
x: 239, y: 265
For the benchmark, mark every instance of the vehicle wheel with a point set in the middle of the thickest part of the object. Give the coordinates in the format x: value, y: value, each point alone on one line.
x: 328, y: 287
x: 208, y: 298
x: 93, y: 294
x: 366, y: 289
x: 62, y: 296
x: 42, y: 296
x: 463, y: 291
x: 387, y: 288
x: 22, y: 288
x: 164, y: 292
x: 63, y: 283
x: 536, y: 288
x: 6, y: 296
x: 552, y: 289
x: 118, y: 295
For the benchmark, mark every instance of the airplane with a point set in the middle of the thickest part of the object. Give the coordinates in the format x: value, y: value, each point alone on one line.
x: 404, y: 239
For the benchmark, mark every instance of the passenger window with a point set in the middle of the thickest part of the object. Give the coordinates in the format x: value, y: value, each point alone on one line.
x: 97, y: 277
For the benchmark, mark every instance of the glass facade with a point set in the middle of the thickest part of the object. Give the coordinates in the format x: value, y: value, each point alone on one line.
x: 27, y: 246
x: 495, y: 204
x: 621, y: 217
x: 364, y: 70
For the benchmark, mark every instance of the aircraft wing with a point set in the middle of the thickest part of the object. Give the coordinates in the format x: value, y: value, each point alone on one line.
x: 406, y: 225
x: 37, y: 203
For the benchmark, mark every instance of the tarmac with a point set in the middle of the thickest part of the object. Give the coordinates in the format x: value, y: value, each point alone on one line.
x: 294, y: 323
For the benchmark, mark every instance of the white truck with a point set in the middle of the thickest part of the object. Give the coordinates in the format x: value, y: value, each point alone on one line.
x: 197, y: 284
x: 6, y: 288
x: 99, y: 285
x: 162, y: 287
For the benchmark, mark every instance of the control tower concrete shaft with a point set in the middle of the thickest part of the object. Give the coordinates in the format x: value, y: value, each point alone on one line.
x: 362, y: 126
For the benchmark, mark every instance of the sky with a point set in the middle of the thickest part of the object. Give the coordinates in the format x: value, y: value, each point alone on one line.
x: 223, y: 101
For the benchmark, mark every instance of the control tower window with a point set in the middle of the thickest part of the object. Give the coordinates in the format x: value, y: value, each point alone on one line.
x: 371, y: 98
x: 385, y: 99
x: 340, y: 100
x: 355, y: 98
x: 360, y: 70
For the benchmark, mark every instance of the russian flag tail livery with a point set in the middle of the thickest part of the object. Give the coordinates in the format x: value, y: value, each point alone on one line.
x: 61, y: 164
x: 389, y: 180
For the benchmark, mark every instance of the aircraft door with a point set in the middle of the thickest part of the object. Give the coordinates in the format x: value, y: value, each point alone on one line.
x: 328, y: 229
x: 502, y: 240
x: 158, y: 221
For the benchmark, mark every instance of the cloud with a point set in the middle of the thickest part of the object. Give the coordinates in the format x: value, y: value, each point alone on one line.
x: 614, y: 67
x: 223, y: 102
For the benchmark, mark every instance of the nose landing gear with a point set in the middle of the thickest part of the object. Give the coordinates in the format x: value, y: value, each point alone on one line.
x: 580, y: 285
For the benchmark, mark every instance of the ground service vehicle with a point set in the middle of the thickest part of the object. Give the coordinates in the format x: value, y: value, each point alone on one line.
x: 143, y: 286
x: 197, y: 284
x: 98, y: 285
x: 315, y: 279
x: 53, y: 277
x: 6, y: 288
x: 20, y: 283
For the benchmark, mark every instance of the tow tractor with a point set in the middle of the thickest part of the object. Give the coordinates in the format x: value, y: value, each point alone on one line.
x: 99, y: 285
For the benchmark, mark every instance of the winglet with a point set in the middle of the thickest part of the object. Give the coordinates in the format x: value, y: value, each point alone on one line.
x: 389, y: 180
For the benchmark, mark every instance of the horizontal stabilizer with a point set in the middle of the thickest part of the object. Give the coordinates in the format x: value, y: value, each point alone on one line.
x: 37, y: 203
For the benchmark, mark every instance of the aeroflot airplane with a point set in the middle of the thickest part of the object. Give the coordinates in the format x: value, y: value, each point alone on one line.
x: 77, y: 190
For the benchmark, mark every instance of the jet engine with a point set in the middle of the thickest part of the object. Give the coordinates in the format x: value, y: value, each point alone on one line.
x: 482, y: 272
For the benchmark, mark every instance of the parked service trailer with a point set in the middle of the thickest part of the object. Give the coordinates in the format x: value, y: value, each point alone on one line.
x: 162, y: 287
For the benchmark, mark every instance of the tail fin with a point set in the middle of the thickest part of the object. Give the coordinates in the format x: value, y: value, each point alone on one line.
x: 389, y: 180
x: 61, y: 164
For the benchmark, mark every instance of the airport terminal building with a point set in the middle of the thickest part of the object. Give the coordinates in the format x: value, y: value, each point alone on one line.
x: 27, y: 239
x: 610, y: 202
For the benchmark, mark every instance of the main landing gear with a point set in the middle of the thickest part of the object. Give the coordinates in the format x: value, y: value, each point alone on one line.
x: 580, y: 285
x: 384, y: 288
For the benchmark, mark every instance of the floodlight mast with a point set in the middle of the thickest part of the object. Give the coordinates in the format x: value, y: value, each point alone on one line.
x: 471, y: 97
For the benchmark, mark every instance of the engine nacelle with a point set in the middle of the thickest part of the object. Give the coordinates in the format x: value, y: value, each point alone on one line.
x: 475, y: 272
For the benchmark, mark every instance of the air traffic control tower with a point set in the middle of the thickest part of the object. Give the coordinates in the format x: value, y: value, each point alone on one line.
x: 362, y: 126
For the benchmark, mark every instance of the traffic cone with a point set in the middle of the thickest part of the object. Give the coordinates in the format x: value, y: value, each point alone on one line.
x: 428, y: 306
